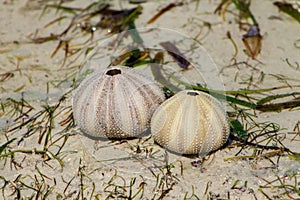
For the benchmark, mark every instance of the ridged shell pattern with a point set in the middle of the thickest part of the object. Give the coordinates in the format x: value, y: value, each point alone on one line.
x: 190, y: 122
x: 116, y: 103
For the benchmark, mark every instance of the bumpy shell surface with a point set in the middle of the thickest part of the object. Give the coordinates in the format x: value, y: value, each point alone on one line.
x: 190, y: 122
x: 116, y: 103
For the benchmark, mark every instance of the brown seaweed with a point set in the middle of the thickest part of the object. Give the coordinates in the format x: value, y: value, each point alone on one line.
x: 163, y: 10
x: 176, y: 54
x: 288, y: 9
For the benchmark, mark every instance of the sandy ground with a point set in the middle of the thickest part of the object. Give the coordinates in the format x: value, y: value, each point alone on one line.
x: 103, y: 169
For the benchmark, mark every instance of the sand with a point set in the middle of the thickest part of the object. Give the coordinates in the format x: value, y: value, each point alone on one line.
x: 117, y: 169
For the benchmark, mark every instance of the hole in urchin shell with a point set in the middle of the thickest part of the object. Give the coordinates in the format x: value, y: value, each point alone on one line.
x: 192, y: 93
x: 113, y: 72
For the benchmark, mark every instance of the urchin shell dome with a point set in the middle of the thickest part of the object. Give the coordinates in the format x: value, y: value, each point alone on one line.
x: 190, y: 122
x: 116, y: 103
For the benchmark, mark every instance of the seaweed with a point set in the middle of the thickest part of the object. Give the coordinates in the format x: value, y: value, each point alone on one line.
x: 252, y: 40
x: 289, y: 9
x: 176, y: 54
x: 163, y: 10
x: 113, y: 21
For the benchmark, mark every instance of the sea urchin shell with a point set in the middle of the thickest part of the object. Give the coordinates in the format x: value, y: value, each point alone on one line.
x: 116, y: 103
x: 190, y: 122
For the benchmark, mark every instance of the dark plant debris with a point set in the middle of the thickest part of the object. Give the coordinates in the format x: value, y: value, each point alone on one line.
x: 110, y: 20
x: 289, y: 9
x: 176, y: 54
x: 163, y: 10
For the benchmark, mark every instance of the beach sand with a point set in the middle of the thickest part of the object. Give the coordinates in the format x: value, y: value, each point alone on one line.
x: 53, y: 162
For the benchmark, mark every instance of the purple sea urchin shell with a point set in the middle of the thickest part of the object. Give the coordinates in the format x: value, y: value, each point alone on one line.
x: 116, y: 103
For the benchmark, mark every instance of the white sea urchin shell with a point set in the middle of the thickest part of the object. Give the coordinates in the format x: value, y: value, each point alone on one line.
x: 190, y: 122
x: 116, y: 103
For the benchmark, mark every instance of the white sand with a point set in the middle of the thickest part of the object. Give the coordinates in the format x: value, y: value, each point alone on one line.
x: 96, y: 163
